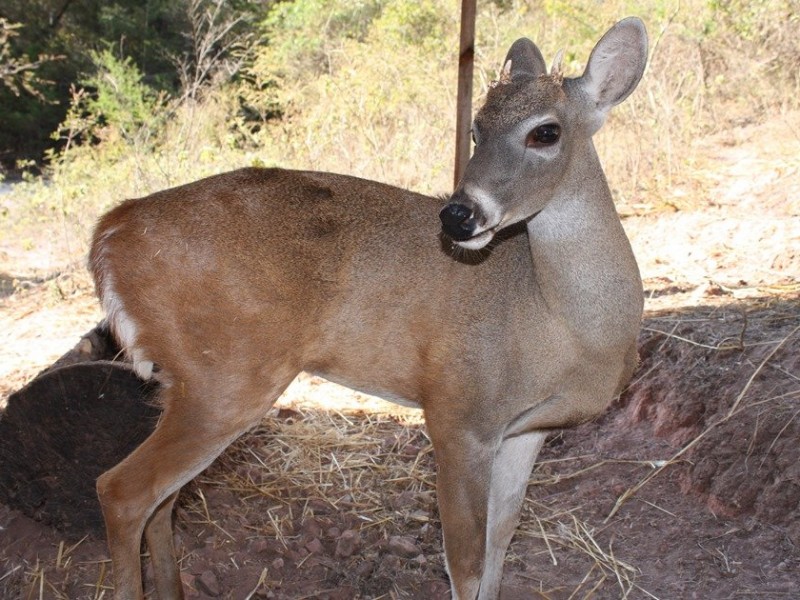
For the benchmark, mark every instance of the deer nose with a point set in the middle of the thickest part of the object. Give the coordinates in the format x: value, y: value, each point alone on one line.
x: 458, y: 221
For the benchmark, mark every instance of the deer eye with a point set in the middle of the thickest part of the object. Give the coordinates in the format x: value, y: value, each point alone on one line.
x: 475, y: 137
x: 543, y: 135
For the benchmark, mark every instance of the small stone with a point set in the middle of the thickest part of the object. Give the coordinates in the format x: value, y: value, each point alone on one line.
x: 311, y: 528
x: 207, y: 582
x: 390, y: 563
x: 314, y: 546
x: 403, y: 545
x: 410, y: 450
x: 403, y: 501
x: 277, y: 565
x: 333, y: 532
x: 436, y: 590
x: 319, y: 507
x: 347, y: 543
x: 364, y: 569
x: 296, y: 555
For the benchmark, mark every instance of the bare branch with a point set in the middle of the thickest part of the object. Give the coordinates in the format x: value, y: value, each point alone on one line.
x: 214, y: 45
x: 19, y: 73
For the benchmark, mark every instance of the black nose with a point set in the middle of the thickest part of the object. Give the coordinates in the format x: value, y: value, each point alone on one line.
x: 457, y: 221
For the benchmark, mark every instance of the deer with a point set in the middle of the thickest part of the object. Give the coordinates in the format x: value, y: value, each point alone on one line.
x: 504, y: 312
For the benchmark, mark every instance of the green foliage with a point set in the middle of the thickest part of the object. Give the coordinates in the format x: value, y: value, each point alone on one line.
x: 121, y: 100
x: 366, y: 87
x: 18, y: 73
x: 754, y: 20
x: 423, y: 23
x: 305, y: 37
x: 302, y: 35
x: 767, y: 30
x: 374, y: 75
x: 163, y: 39
x: 71, y: 30
x: 25, y: 93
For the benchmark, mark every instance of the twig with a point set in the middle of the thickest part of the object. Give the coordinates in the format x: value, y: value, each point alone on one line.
x: 692, y: 342
x: 261, y: 580
x: 545, y: 538
x: 11, y: 572
x: 758, y: 370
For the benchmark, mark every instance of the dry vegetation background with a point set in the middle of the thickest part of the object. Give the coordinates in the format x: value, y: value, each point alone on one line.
x: 704, y: 162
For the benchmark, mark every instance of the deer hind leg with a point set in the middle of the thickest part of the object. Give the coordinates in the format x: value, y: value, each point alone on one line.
x: 158, y: 534
x: 191, y: 433
x: 512, y: 467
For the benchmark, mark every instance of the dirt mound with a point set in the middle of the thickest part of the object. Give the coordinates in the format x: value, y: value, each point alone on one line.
x: 73, y: 421
x: 723, y: 380
x: 64, y: 429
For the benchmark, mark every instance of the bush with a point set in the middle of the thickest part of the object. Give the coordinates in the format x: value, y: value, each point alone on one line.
x: 120, y: 100
x: 368, y: 87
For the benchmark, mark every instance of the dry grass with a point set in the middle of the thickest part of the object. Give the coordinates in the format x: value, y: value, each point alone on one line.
x: 352, y: 460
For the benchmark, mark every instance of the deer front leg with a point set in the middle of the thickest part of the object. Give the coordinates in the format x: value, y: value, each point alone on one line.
x: 464, y: 464
x: 481, y: 484
x: 512, y: 467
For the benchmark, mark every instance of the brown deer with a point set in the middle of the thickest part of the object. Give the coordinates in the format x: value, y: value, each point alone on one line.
x: 225, y: 289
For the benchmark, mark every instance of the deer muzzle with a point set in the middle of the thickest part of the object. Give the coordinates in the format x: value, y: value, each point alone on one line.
x: 458, y: 221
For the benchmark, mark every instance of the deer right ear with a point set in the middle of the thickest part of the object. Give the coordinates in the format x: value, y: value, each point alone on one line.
x: 523, y: 59
x: 616, y: 64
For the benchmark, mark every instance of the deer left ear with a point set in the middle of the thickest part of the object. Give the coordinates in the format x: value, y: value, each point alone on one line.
x: 523, y: 59
x: 616, y: 64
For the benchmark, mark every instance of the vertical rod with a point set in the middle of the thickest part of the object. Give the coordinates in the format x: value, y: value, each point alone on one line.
x: 466, y: 59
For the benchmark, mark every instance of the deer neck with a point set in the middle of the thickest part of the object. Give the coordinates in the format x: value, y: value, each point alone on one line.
x: 582, y: 257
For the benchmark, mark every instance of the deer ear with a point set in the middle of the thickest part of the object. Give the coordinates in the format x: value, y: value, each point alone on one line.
x: 616, y: 64
x: 523, y: 59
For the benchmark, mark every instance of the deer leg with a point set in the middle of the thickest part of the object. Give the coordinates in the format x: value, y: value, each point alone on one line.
x: 124, y: 542
x: 190, y: 434
x: 512, y: 467
x: 130, y: 493
x: 158, y: 533
x: 462, y: 483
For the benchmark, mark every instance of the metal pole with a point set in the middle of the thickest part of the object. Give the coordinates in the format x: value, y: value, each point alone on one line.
x: 466, y: 59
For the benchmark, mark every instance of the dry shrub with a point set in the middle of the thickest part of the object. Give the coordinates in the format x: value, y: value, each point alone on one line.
x: 369, y: 90
x: 751, y: 60
x: 374, y: 102
x: 381, y: 107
